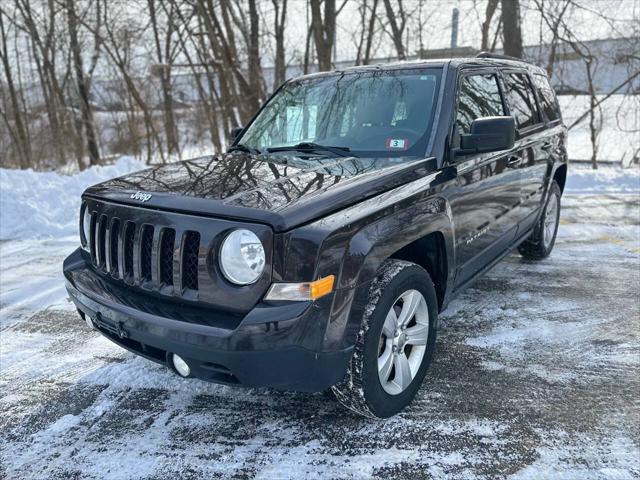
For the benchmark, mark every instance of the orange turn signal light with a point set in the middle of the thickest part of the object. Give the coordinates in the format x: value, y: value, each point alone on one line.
x: 299, y: 292
x: 321, y: 287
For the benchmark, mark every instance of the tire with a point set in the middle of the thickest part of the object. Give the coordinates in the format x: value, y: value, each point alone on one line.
x: 398, y: 284
x: 543, y: 238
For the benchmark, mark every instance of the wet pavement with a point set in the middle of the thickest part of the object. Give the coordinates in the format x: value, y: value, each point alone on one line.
x: 536, y: 375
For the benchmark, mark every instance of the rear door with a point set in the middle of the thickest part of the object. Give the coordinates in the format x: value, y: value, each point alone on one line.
x: 533, y: 144
x: 488, y: 185
x: 555, y: 132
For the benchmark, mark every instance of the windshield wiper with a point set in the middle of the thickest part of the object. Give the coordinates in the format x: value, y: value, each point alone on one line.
x: 240, y: 147
x: 310, y: 147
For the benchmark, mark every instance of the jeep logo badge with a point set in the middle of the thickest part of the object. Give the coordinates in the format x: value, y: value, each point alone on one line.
x: 143, y: 197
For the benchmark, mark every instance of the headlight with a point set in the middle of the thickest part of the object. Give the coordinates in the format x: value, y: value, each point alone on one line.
x: 85, y: 233
x: 242, y: 257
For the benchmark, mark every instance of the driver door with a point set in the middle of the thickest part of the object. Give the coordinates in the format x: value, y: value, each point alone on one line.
x: 487, y: 195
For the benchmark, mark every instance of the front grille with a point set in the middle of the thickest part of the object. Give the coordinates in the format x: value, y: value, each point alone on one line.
x: 129, y: 236
x: 190, y: 260
x: 102, y: 231
x: 146, y: 247
x: 167, y: 247
x: 143, y: 255
x: 114, y: 233
x: 92, y: 238
x: 169, y: 254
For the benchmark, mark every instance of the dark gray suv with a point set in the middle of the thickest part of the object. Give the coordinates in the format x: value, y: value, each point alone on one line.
x: 317, y: 253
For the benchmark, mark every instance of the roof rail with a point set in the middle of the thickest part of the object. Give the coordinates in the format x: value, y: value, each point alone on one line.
x: 498, y: 56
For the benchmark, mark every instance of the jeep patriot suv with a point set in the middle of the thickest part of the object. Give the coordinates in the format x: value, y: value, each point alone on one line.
x: 318, y: 251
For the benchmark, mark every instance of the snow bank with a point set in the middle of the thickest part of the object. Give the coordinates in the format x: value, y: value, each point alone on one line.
x: 46, y: 204
x: 606, y: 179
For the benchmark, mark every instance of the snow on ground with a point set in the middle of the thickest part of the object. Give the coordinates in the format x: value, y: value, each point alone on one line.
x: 536, y: 372
x: 607, y: 178
x: 619, y: 138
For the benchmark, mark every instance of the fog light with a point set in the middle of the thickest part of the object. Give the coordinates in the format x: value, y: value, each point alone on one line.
x: 180, y: 365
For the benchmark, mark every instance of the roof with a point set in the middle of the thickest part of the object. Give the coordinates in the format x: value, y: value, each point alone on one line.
x: 434, y: 62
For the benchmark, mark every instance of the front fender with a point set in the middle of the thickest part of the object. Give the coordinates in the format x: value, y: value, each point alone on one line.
x: 371, y: 246
x: 351, y: 244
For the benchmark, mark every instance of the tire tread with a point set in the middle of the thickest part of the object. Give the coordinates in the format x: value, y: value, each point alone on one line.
x: 533, y: 247
x: 350, y: 391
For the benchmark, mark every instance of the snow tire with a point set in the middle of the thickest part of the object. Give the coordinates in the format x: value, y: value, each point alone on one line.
x: 535, y: 247
x: 361, y: 390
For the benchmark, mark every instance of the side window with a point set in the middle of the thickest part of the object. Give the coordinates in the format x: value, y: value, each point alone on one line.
x: 547, y: 97
x: 479, y: 97
x: 521, y: 100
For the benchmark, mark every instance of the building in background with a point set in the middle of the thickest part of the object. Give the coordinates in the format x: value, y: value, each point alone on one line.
x: 614, y: 61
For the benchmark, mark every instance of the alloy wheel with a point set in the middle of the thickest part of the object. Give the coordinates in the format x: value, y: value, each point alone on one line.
x: 550, y: 220
x: 403, y: 341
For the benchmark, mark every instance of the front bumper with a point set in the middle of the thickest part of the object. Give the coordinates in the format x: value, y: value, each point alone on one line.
x: 271, y: 346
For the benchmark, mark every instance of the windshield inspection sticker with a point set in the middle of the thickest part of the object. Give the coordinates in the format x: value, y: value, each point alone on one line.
x: 397, y: 143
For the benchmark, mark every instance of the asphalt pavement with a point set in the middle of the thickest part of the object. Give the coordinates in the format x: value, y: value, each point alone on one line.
x: 536, y: 375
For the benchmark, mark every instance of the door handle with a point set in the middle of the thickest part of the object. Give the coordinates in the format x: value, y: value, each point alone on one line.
x: 546, y: 146
x: 513, y: 161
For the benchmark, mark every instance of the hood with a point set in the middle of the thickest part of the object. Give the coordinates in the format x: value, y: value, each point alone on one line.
x: 278, y: 190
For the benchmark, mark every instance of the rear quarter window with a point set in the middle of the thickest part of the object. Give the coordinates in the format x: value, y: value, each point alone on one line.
x: 548, y: 100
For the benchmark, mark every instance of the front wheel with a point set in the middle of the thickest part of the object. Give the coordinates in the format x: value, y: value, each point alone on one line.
x: 543, y: 238
x: 395, y: 344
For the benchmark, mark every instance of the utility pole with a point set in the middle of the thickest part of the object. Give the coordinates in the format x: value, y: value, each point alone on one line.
x: 455, y: 15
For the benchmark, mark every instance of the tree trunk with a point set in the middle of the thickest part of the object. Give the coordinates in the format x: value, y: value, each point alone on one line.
x: 255, y: 71
x: 492, y: 5
x: 83, y: 90
x: 226, y: 82
x: 396, y: 30
x: 594, y: 129
x: 323, y: 31
x: 511, y: 28
x: 23, y: 145
x: 164, y: 74
x: 280, y: 70
x: 370, y: 33
x: 41, y: 43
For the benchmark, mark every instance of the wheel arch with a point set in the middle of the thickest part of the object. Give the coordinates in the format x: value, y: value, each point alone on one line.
x: 560, y: 176
x: 430, y: 253
x: 422, y: 234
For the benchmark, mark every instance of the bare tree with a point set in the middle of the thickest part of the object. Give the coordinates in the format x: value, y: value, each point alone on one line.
x: 555, y: 16
x: 397, y: 19
x: 253, y: 48
x: 552, y: 14
x: 43, y: 40
x: 117, y: 45
x: 82, y: 85
x: 18, y: 130
x: 492, y: 6
x: 165, y: 50
x: 171, y: 74
x: 511, y: 28
x: 279, y: 19
x: 324, y: 29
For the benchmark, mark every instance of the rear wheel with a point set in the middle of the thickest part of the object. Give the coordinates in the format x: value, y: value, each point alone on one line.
x: 543, y: 238
x: 395, y: 344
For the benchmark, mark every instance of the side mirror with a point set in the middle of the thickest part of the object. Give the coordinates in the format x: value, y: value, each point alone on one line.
x: 488, y: 134
x: 235, y: 133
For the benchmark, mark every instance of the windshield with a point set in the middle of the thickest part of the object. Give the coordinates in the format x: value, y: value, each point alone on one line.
x: 372, y: 113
